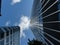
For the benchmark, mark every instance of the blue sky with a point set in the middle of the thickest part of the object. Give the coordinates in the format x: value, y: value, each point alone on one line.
x: 11, y: 14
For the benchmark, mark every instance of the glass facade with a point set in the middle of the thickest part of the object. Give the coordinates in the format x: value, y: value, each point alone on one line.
x: 47, y: 15
x: 10, y: 36
x: 37, y: 31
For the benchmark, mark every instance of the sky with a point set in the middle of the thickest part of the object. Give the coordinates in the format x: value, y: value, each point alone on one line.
x: 12, y: 11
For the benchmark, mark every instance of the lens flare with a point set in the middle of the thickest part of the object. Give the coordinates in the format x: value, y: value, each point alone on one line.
x: 24, y: 25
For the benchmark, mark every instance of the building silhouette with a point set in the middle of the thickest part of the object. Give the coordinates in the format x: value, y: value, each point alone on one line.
x: 0, y: 7
x: 10, y: 35
x: 34, y: 42
x: 47, y: 14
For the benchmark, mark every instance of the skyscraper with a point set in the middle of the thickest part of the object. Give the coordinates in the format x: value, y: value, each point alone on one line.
x: 10, y: 35
x: 38, y: 33
x: 47, y: 14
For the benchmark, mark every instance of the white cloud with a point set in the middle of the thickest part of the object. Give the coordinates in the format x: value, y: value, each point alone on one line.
x: 24, y: 25
x: 15, y: 1
x: 7, y: 23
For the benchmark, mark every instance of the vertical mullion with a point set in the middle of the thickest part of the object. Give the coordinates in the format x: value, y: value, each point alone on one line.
x: 12, y: 36
x: 9, y: 37
x: 4, y: 38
